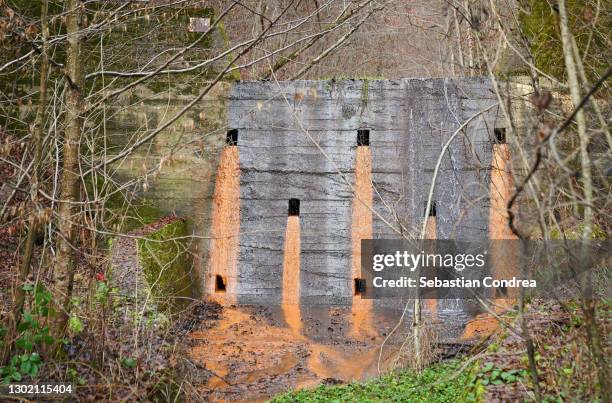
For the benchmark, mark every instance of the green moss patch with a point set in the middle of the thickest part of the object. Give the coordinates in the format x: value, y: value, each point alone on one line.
x: 540, y: 25
x: 166, y: 261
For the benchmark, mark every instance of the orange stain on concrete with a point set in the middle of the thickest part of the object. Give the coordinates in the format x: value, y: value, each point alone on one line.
x: 431, y: 305
x: 361, y: 228
x: 501, y: 189
x: 225, y: 227
x: 502, y: 256
x: 291, y: 276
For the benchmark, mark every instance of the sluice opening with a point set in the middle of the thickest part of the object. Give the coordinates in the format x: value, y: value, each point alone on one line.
x: 231, y: 137
x: 294, y: 207
x: 432, y: 209
x: 220, y: 285
x: 500, y: 135
x: 363, y: 137
x: 360, y: 286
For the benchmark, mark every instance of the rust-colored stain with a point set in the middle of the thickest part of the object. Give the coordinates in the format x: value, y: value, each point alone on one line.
x: 500, y: 192
x: 502, y: 256
x: 431, y: 305
x: 361, y: 228
x: 291, y: 275
x: 225, y: 227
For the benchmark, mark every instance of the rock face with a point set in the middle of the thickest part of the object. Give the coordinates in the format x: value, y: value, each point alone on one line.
x: 299, y: 140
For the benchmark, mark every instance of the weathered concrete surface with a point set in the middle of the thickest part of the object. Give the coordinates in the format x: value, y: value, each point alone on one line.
x: 299, y: 140
x: 187, y: 152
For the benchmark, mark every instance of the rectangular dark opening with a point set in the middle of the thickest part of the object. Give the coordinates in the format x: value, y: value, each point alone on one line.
x: 219, y: 283
x: 360, y: 286
x: 500, y: 135
x: 294, y: 207
x: 432, y: 209
x: 231, y: 137
x: 363, y: 137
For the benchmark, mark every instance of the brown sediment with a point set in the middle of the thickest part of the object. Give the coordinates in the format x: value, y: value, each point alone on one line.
x: 248, y: 355
x: 291, y: 276
x: 361, y: 228
x: 431, y: 304
x: 243, y: 351
x: 225, y: 227
x: 503, y: 257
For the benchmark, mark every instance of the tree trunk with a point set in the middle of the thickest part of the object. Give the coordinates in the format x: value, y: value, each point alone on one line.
x: 588, y: 304
x: 37, y: 140
x: 69, y: 190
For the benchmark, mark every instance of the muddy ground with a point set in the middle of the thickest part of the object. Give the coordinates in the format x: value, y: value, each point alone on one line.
x: 247, y: 353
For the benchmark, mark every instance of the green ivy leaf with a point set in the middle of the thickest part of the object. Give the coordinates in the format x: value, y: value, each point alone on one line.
x: 75, y: 324
x: 129, y: 362
x: 25, y: 367
x: 24, y: 344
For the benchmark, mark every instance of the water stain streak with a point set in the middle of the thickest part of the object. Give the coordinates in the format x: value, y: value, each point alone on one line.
x: 361, y: 228
x: 291, y: 276
x: 225, y: 228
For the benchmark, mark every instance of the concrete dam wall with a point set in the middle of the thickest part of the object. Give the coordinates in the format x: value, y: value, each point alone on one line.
x: 311, y: 167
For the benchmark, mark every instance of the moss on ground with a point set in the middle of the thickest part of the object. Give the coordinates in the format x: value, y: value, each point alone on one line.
x: 165, y: 259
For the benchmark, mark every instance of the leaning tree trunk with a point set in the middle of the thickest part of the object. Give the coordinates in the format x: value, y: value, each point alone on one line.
x: 64, y: 263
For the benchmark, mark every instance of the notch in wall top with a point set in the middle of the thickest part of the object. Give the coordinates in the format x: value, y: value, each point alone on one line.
x: 294, y: 207
x: 500, y: 135
x: 432, y: 210
x: 363, y: 137
x: 231, y: 137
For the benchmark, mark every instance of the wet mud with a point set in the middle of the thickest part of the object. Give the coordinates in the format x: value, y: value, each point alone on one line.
x: 251, y: 353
